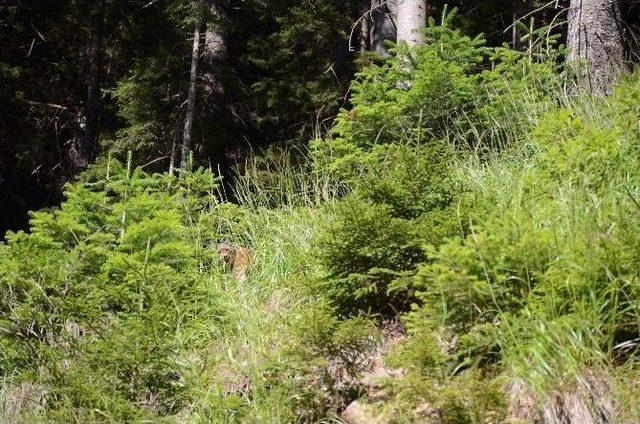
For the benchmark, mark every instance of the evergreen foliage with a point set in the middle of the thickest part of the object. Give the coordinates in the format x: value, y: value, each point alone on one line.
x: 465, y: 235
x: 404, y: 198
x: 456, y: 89
x: 113, y: 291
x: 286, y: 74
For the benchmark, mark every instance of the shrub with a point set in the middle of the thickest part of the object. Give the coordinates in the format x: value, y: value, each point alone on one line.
x: 98, y: 295
x: 404, y: 198
x: 325, y: 360
x: 455, y: 89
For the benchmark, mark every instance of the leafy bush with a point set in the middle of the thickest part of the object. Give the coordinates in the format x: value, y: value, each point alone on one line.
x: 395, y: 150
x: 454, y: 88
x: 325, y: 360
x: 514, y: 268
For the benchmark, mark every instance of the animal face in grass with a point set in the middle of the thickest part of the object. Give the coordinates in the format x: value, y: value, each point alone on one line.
x: 237, y: 257
x: 227, y: 253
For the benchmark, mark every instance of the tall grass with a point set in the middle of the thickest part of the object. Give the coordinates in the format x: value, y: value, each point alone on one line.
x: 261, y: 311
x: 284, y: 177
x: 558, y: 199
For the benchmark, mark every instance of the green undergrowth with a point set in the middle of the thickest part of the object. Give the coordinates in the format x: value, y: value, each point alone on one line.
x: 542, y: 287
x: 466, y: 196
x: 116, y: 308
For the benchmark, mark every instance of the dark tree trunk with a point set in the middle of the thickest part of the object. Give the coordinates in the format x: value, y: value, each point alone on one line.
x: 191, y: 102
x: 596, y: 37
x: 215, y: 48
x: 365, y: 28
x: 516, y: 6
x: 93, y: 106
x: 383, y: 25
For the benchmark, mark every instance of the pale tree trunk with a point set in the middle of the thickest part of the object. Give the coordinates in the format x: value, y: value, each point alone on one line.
x: 191, y: 101
x: 412, y: 20
x: 595, y: 36
x: 383, y: 25
x: 93, y: 107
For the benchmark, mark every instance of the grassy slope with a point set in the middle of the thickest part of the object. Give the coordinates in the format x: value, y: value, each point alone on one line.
x: 555, y: 214
x: 556, y: 211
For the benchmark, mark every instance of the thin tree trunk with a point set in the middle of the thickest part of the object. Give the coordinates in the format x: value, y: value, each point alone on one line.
x: 412, y: 20
x: 514, y: 23
x: 191, y: 101
x: 595, y: 36
x: 93, y: 106
x: 383, y: 25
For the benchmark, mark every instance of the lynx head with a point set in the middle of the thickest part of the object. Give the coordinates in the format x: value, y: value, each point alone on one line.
x: 226, y: 252
x: 235, y: 257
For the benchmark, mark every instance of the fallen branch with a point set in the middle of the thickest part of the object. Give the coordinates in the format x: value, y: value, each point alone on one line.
x: 43, y: 104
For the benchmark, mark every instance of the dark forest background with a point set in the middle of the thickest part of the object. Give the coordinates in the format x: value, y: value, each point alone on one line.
x: 284, y: 74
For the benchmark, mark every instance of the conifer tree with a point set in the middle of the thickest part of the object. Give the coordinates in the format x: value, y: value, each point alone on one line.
x: 383, y: 26
x: 215, y: 45
x: 93, y: 107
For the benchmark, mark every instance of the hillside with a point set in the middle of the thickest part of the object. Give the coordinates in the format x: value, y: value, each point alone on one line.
x: 463, y: 246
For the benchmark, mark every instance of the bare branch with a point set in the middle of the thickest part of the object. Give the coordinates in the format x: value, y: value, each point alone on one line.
x: 48, y: 105
x: 531, y: 13
x: 149, y: 4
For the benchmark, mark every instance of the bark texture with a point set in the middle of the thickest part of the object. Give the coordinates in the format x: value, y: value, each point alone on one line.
x: 516, y: 6
x: 191, y: 101
x: 412, y: 19
x: 595, y: 35
x: 383, y: 25
x: 365, y: 29
x: 215, y: 48
x: 93, y: 105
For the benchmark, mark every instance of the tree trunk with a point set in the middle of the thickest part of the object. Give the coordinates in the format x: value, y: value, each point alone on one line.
x: 191, y: 101
x: 93, y: 106
x: 516, y: 12
x: 412, y: 20
x: 215, y: 48
x: 595, y: 36
x: 383, y: 25
x: 365, y: 29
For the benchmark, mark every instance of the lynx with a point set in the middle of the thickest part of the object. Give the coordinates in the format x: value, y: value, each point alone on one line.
x: 238, y: 258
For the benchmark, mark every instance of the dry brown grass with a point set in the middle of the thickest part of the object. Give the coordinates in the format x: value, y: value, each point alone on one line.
x: 589, y: 400
x: 20, y: 400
